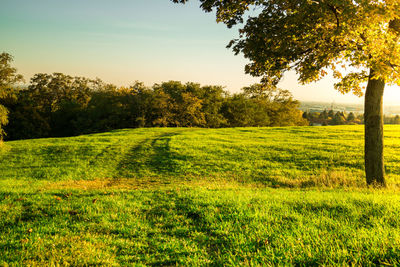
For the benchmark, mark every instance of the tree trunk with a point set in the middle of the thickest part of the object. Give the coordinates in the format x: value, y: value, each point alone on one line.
x: 373, y: 119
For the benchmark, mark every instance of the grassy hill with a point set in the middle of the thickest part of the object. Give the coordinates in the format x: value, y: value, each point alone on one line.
x: 169, y: 196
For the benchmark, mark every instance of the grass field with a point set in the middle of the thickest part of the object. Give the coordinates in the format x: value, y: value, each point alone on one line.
x: 243, y: 196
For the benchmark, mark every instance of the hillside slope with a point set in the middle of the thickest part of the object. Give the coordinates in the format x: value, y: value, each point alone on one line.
x: 195, y: 197
x: 289, y: 156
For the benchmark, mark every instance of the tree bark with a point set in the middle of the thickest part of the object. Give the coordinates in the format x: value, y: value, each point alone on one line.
x: 373, y: 119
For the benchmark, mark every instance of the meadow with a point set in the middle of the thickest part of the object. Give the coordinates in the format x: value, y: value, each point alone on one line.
x: 188, y: 196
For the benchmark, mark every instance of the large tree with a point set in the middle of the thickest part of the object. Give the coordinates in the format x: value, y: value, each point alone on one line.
x: 358, y: 40
x: 8, y: 78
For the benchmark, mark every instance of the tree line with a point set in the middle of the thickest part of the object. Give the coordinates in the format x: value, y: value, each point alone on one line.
x: 55, y: 105
x: 329, y: 117
x: 342, y: 118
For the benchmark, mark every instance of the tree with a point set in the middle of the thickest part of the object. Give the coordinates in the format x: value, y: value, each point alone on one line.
x: 261, y: 106
x: 212, y: 98
x: 323, y: 118
x: 185, y: 106
x: 8, y: 78
x: 279, y: 104
x: 240, y: 111
x: 351, y: 117
x: 314, y: 36
x: 338, y: 119
x: 58, y: 99
x: 331, y: 113
x: 396, y: 119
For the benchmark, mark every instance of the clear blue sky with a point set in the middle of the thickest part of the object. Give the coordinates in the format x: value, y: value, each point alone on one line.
x: 121, y: 41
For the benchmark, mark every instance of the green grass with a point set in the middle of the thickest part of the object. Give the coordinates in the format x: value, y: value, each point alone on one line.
x: 274, y: 156
x: 243, y: 196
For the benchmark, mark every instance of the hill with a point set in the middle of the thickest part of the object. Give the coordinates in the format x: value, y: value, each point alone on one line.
x: 187, y: 196
x: 291, y: 156
x: 312, y: 106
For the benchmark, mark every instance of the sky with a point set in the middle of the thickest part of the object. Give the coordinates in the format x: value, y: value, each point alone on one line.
x: 121, y: 41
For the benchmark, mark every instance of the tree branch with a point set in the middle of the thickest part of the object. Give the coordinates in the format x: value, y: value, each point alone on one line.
x: 335, y: 11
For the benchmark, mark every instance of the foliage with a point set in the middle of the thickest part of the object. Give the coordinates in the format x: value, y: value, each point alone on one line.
x: 185, y: 108
x: 332, y: 118
x: 8, y: 78
x: 3, y: 120
x: 311, y: 37
x: 392, y: 119
x: 61, y: 105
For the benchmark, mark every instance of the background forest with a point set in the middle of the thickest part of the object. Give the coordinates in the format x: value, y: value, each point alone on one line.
x: 55, y: 105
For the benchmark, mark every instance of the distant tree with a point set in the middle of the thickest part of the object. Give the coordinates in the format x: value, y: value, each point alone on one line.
x: 3, y: 120
x: 240, y: 111
x: 62, y: 105
x: 139, y: 99
x: 162, y: 109
x: 26, y: 122
x: 184, y: 106
x: 279, y: 104
x: 8, y: 79
x: 323, y: 118
x: 105, y: 111
x: 338, y: 119
x: 312, y: 37
x: 212, y: 98
x: 391, y: 119
x: 51, y: 89
x: 396, y: 119
x: 323, y: 115
x: 351, y: 117
x: 188, y: 111
x: 261, y: 105
x: 360, y: 119
x: 59, y: 98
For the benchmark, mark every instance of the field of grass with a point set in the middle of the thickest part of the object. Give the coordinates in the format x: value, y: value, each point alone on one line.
x: 243, y: 196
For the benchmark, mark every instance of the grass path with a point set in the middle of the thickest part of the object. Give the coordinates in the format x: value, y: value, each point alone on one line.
x: 244, y: 196
x: 286, y: 157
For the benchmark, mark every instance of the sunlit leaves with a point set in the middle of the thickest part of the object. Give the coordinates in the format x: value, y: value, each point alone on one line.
x: 352, y: 82
x: 312, y: 36
x: 8, y: 78
x: 3, y: 119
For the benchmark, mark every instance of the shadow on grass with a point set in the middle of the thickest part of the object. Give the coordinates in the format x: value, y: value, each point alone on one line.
x: 152, y: 157
x: 178, y: 222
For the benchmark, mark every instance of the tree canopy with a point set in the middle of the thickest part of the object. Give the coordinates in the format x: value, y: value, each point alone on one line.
x: 61, y: 105
x: 8, y: 78
x: 358, y: 40
x: 310, y: 37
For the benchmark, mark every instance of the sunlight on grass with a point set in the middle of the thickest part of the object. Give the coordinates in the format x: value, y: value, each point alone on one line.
x: 291, y: 156
x: 244, y: 196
